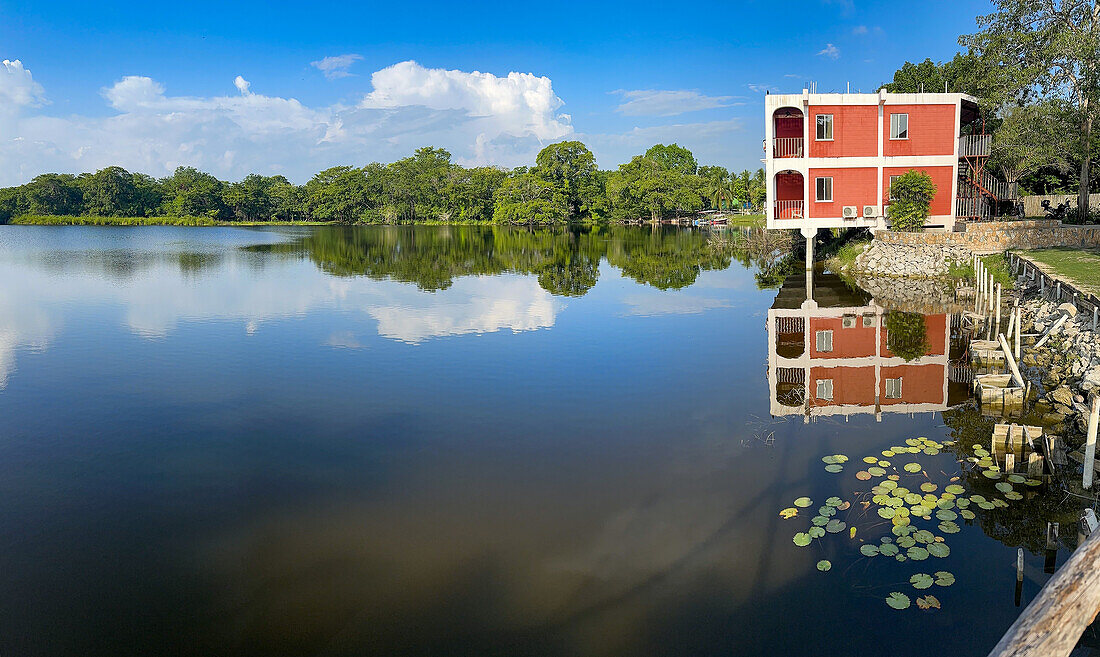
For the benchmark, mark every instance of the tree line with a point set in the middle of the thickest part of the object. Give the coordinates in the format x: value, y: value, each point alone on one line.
x: 1035, y: 68
x: 564, y: 185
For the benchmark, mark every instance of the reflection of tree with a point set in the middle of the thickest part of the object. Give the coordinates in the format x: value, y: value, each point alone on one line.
x: 770, y: 252
x: 906, y: 334
x: 1023, y: 523
x: 566, y: 261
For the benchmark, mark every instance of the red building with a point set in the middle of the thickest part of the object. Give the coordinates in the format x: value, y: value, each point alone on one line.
x: 830, y: 158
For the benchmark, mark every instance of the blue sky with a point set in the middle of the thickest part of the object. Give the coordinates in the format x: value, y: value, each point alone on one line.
x: 154, y: 86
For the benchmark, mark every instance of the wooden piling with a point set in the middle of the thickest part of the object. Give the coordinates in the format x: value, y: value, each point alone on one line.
x: 1011, y: 361
x: 998, y: 310
x: 1019, y: 319
x: 1090, y: 444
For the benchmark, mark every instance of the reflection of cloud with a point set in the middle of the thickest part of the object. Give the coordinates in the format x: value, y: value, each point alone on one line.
x: 22, y: 325
x: 670, y: 304
x: 484, y: 305
x: 344, y: 340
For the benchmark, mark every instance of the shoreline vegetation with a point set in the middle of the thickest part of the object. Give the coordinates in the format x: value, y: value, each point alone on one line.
x: 564, y: 186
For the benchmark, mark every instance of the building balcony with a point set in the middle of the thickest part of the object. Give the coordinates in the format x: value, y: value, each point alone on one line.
x: 787, y: 147
x: 789, y: 210
x: 975, y: 145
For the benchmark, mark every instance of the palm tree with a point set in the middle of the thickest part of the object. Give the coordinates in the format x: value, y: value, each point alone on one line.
x: 729, y: 189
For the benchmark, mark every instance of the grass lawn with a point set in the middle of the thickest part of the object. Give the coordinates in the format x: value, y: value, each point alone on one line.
x: 744, y: 220
x: 1079, y: 266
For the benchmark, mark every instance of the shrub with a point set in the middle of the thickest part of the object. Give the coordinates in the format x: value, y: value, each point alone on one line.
x: 910, y: 197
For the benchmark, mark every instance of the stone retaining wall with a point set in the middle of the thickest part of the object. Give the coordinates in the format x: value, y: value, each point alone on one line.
x: 999, y: 236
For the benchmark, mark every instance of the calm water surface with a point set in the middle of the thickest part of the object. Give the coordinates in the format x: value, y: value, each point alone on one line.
x: 433, y: 441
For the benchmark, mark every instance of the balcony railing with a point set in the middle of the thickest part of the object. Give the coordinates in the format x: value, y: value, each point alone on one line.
x: 787, y: 147
x: 975, y: 145
x: 788, y: 210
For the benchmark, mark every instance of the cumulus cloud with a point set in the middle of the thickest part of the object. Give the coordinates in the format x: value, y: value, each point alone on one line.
x: 830, y: 51
x: 336, y: 66
x: 17, y: 87
x: 480, y: 117
x: 653, y: 102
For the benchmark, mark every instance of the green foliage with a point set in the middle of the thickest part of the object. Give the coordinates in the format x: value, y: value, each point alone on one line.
x: 655, y: 186
x: 570, y: 168
x: 527, y: 198
x: 911, y: 195
x: 998, y: 266
x: 906, y: 335
x: 930, y: 77
x: 88, y: 220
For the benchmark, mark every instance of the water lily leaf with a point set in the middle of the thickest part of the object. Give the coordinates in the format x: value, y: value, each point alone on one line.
x: 827, y: 511
x: 829, y: 459
x: 1017, y: 479
x: 913, y: 498
x: 923, y: 536
x: 955, y: 489
x: 889, y: 485
x: 977, y: 499
x: 981, y: 452
x: 1000, y: 504
x: 931, y: 451
x: 906, y: 542
x: 863, y: 475
x: 788, y: 513
x: 820, y: 521
x: 899, y: 520
x: 801, y: 539
x: 921, y: 511
x: 928, y: 487
x: 928, y: 602
x: 887, y: 453
x: 816, y: 532
x: 986, y: 505
x: 921, y: 581
x: 1033, y: 482
x: 834, y: 501
x: 898, y: 600
x: 803, y: 502
x: 888, y: 549
x: 991, y: 473
x: 946, y: 514
x: 886, y: 512
x: 876, y: 471
x: 901, y: 557
x: 869, y: 550
x: 900, y: 491
x: 844, y: 507
x: 944, y: 578
x: 870, y: 459
x: 835, y: 526
x: 893, y: 502
x: 1014, y: 496
x: 834, y: 468
x: 893, y: 477
x: 939, y: 550
x: 948, y: 527
x: 901, y: 530
x: 883, y: 463
x: 962, y: 502
x: 912, y: 467
x: 917, y: 553
x: 976, y: 447
x: 824, y: 565
x: 968, y: 514
x: 912, y: 442
x: 1003, y: 486
x: 901, y: 512
x: 945, y: 502
x: 852, y: 532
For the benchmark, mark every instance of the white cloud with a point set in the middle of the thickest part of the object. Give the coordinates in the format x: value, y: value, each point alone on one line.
x: 830, y: 51
x: 336, y: 66
x: 653, y: 102
x: 761, y: 88
x: 17, y: 87
x: 859, y: 29
x: 481, y: 118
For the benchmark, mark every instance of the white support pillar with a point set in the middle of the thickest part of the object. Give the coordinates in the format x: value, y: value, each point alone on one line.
x: 809, y: 234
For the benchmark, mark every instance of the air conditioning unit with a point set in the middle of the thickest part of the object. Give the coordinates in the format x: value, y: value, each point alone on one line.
x: 848, y: 321
x: 850, y: 212
x: 870, y: 211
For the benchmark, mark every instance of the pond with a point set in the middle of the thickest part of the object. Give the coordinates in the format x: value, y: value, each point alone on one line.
x: 471, y: 441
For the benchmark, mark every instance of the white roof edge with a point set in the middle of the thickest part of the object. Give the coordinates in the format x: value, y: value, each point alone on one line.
x: 795, y: 99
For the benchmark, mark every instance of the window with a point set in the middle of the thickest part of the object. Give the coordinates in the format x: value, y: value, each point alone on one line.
x: 893, y: 388
x: 868, y: 321
x: 893, y: 179
x: 825, y: 189
x: 824, y: 341
x: 824, y: 127
x: 825, y: 389
x: 899, y: 126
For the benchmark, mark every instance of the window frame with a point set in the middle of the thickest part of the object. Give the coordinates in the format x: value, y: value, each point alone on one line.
x: 828, y: 392
x: 892, y: 117
x: 817, y: 189
x: 890, y: 188
x: 818, y: 342
x: 820, y: 123
x: 897, y: 383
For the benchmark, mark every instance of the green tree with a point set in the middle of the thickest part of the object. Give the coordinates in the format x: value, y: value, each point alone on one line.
x: 649, y: 186
x: 53, y: 194
x: 527, y: 198
x: 906, y: 334
x: 1051, y: 49
x: 910, y: 198
x: 571, y: 168
x: 191, y: 193
x: 250, y: 199
x: 1028, y: 139
x: 338, y: 194
x: 674, y: 158
x: 289, y: 202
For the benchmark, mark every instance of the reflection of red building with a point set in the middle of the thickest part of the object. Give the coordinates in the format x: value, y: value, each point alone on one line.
x: 828, y: 354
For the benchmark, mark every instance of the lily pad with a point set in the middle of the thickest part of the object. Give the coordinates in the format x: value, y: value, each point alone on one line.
x: 1014, y: 496
x: 913, y: 498
x: 917, y: 553
x: 906, y: 542
x: 928, y: 602
x: 886, y: 512
x: 834, y: 501
x: 863, y: 475
x: 944, y: 578
x: 991, y: 473
x: 803, y: 502
x: 968, y: 514
x: 888, y: 549
x: 889, y: 484
x: 928, y: 487
x: 869, y: 550
x: 887, y: 453
x: 939, y: 550
x: 924, y: 536
x: 912, y: 467
x: 820, y: 521
x: 816, y: 532
x: 788, y: 513
x: 921, y: 581
x: 834, y: 468
x: 948, y: 527
x: 898, y: 600
x: 1003, y: 486
x: 1017, y: 479
x: 835, y: 526
x: 870, y: 459
x: 802, y: 539
x: 962, y: 502
x: 946, y: 514
x: 955, y: 489
x: 876, y: 471
x: 824, y: 565
x: 827, y: 511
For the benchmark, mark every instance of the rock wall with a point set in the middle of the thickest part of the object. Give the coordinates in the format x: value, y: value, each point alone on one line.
x: 927, y: 296
x: 998, y: 236
x: 908, y: 260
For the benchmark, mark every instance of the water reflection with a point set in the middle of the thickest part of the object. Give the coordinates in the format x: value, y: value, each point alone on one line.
x: 832, y: 351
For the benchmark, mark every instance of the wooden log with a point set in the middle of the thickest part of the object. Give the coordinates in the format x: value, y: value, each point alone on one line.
x: 1052, y: 624
x: 1011, y: 361
x: 1034, y: 465
x: 1051, y: 331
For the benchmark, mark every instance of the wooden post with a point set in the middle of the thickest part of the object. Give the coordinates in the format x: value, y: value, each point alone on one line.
x: 1019, y: 329
x: 1095, y: 312
x: 1019, y: 575
x: 1051, y: 625
x: 1034, y: 465
x: 998, y: 311
x: 1010, y: 458
x: 1011, y: 361
x: 990, y: 289
x: 1090, y: 443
